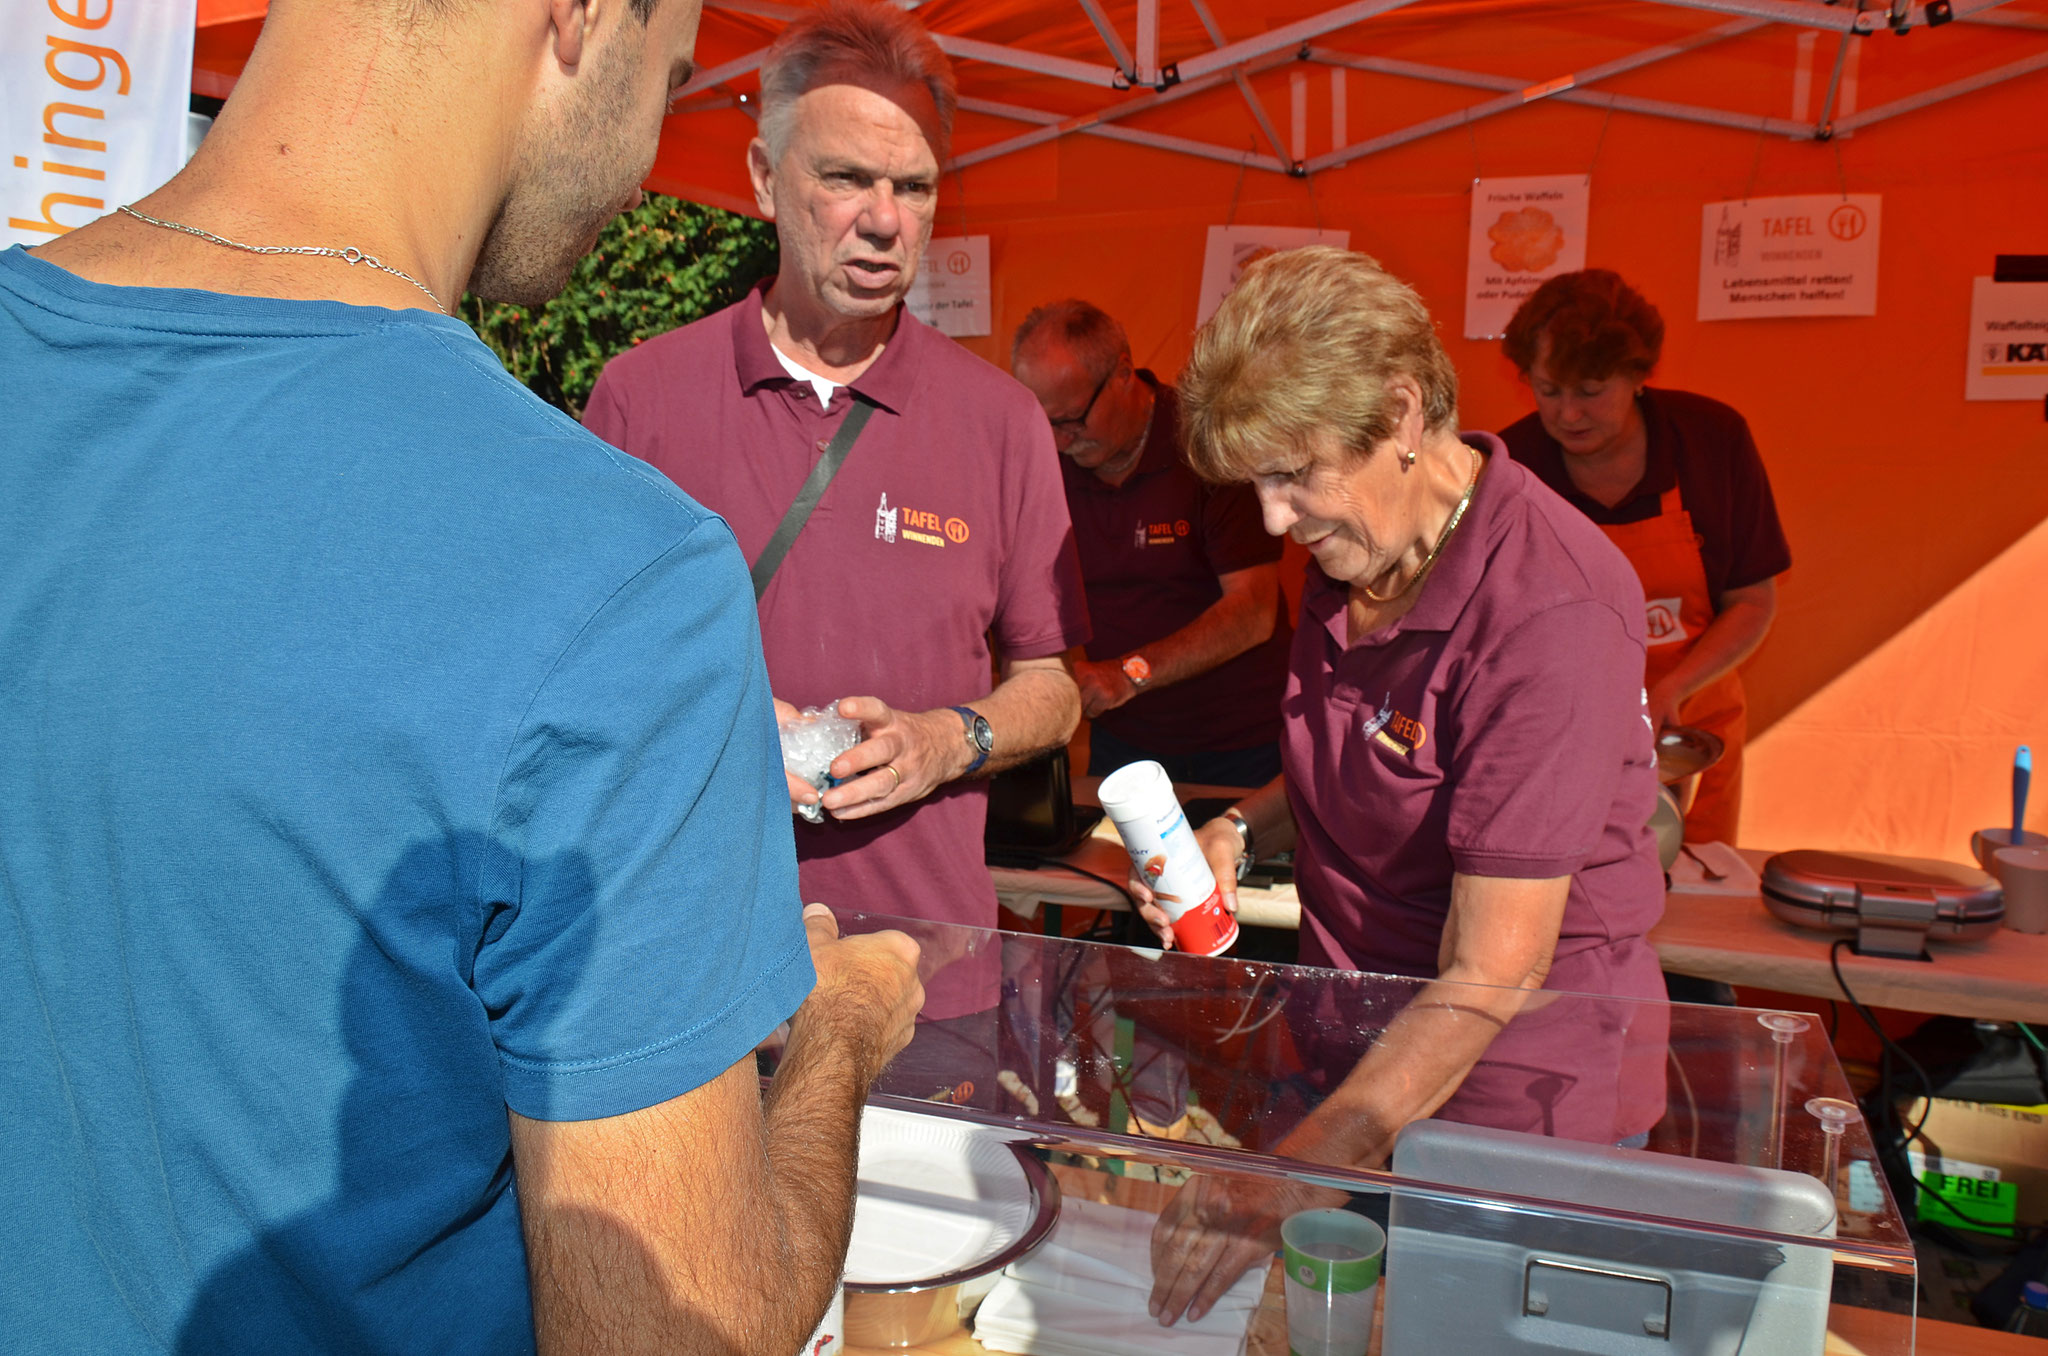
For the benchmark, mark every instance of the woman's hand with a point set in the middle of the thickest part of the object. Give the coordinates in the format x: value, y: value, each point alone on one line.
x: 1213, y: 1232
x: 1219, y: 842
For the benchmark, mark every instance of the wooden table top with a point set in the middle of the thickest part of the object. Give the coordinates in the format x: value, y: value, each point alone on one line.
x: 1731, y: 938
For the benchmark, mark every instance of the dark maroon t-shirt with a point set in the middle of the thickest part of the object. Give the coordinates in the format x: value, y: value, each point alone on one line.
x: 1151, y: 551
x: 1703, y: 447
x: 944, y: 527
x: 1495, y: 730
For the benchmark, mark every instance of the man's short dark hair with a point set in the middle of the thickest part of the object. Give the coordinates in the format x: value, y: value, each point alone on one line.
x: 1084, y: 329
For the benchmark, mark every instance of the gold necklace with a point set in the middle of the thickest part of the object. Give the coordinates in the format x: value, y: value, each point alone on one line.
x: 1458, y: 513
x: 349, y: 255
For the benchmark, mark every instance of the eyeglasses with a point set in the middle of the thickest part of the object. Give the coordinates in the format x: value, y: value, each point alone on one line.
x: 1079, y: 422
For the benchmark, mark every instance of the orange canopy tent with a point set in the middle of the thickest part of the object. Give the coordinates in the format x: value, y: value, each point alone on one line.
x: 1100, y: 139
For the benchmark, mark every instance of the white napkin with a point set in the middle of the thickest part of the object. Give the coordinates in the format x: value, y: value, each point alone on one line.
x: 1083, y: 1293
x: 1689, y: 877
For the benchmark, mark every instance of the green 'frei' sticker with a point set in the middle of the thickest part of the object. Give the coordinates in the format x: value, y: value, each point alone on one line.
x: 1987, y: 1207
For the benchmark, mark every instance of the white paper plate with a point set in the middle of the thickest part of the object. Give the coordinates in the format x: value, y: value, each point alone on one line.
x: 937, y: 1198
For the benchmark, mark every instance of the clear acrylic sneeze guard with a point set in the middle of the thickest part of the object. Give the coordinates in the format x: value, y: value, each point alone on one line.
x: 1751, y: 1221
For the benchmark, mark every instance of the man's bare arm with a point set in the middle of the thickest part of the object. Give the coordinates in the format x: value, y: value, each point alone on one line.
x: 1241, y: 618
x: 715, y: 1224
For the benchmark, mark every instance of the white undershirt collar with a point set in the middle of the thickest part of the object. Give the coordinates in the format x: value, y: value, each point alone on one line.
x: 824, y: 386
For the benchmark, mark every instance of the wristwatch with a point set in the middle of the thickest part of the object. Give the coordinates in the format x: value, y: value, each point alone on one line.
x: 1137, y: 670
x: 1244, y: 840
x: 979, y: 736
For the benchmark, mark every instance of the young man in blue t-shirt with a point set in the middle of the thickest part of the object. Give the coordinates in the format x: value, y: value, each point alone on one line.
x: 355, y: 869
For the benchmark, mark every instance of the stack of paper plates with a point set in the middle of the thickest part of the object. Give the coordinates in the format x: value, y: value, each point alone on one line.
x: 941, y: 1201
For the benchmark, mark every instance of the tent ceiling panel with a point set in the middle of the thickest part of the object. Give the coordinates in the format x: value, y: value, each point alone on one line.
x: 1221, y: 82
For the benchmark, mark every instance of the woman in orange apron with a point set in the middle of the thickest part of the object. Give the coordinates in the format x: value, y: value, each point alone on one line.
x: 1630, y: 456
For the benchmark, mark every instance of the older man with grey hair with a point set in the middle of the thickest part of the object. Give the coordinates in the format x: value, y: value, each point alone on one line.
x: 939, y: 522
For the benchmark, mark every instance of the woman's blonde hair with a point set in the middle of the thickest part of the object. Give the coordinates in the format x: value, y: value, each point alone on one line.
x: 1308, y: 342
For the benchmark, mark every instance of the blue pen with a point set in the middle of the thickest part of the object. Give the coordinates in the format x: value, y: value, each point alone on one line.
x: 2022, y: 773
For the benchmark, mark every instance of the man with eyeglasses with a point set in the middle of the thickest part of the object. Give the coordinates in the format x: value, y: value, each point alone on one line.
x: 1189, y: 654
x: 942, y: 534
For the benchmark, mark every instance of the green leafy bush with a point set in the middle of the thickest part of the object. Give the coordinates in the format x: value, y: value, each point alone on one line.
x: 664, y: 264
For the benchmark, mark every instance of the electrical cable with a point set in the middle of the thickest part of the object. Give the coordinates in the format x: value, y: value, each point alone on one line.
x: 1888, y: 1048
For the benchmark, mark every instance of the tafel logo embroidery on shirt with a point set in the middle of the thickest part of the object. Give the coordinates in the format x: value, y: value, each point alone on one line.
x: 919, y: 525
x: 1402, y: 734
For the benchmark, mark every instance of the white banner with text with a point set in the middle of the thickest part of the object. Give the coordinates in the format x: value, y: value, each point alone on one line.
x: 1815, y: 254
x: 951, y: 290
x: 1524, y: 231
x: 93, y: 98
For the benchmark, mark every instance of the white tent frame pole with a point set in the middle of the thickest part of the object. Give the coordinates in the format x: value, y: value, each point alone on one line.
x: 1827, y: 16
x: 1292, y: 35
x: 1039, y: 63
x: 1969, y: 84
x: 718, y: 75
x: 1530, y: 93
x: 1824, y: 126
x: 2006, y: 19
x: 1625, y: 103
x: 1092, y: 122
x: 1209, y: 23
x: 1130, y: 135
x: 1259, y: 116
x: 1148, y: 42
x: 1110, y: 37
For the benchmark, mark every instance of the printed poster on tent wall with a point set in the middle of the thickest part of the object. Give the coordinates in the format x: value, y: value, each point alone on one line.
x: 2008, y: 341
x: 93, y: 98
x: 951, y: 290
x: 1814, y: 254
x: 1524, y: 230
x: 1233, y: 249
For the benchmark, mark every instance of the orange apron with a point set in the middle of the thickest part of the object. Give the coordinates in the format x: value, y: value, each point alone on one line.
x: 1666, y: 554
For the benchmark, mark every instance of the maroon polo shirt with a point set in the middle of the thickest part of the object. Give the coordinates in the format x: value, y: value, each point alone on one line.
x: 944, y: 527
x: 1495, y: 730
x: 1151, y: 550
x: 1704, y: 448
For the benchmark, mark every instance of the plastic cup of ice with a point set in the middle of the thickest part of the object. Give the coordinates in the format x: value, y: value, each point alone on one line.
x: 1333, y: 1274
x: 811, y: 739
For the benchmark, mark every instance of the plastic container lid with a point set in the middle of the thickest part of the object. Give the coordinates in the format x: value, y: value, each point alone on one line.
x: 2034, y: 1295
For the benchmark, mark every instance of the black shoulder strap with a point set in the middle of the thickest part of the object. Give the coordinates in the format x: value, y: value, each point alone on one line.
x: 807, y: 498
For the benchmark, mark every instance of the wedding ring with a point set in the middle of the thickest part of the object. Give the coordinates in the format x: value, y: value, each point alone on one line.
x: 891, y: 769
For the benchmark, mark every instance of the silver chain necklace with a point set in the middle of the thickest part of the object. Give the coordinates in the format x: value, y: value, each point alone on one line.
x: 350, y: 255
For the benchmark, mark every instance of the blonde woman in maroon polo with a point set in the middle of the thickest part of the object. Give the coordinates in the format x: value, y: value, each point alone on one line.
x: 1467, y: 772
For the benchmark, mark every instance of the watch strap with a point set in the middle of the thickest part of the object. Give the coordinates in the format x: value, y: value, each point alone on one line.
x: 970, y: 718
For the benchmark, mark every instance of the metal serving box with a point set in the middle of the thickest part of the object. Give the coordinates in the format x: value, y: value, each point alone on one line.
x: 1537, y: 1282
x: 1892, y: 905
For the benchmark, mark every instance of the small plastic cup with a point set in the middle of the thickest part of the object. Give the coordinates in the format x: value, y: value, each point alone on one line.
x: 1986, y: 844
x: 2023, y: 871
x: 1333, y: 1262
x: 811, y: 739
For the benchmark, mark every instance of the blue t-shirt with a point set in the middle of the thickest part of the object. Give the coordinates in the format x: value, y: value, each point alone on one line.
x: 378, y: 750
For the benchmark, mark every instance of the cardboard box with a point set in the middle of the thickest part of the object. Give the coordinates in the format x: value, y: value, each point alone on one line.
x: 1967, y: 1150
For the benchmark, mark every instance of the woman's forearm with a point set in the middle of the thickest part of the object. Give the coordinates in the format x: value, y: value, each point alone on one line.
x: 1735, y: 633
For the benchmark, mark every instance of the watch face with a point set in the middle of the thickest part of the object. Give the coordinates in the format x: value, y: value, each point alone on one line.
x: 984, y: 737
x: 1137, y: 670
